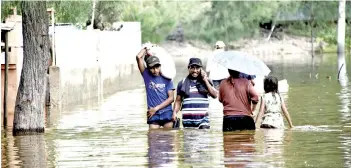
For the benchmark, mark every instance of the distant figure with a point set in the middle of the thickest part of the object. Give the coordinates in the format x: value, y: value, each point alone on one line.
x: 271, y: 106
x: 97, y: 24
x: 159, y: 92
x: 192, y: 96
x: 120, y: 27
x: 239, y: 99
x: 216, y: 72
x: 179, y: 34
x: 248, y: 77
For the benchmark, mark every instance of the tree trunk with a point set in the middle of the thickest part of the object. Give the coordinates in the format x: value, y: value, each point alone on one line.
x: 30, y: 102
x: 342, y: 76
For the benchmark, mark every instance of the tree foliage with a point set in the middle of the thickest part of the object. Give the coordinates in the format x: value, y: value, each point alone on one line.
x: 230, y: 20
x: 203, y: 20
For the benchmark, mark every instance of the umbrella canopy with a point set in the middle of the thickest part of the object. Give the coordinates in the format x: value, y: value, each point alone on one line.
x: 242, y: 62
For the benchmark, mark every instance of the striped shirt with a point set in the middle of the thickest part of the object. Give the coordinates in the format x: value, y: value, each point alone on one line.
x: 194, y: 105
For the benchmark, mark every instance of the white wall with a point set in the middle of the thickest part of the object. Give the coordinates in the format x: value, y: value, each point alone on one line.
x: 94, y: 62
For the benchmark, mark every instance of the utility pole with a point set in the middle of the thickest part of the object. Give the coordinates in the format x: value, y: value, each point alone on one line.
x: 91, y: 27
x: 342, y: 74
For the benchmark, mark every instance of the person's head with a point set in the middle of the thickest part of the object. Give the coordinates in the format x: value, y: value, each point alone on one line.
x: 219, y: 45
x: 154, y: 65
x: 233, y: 73
x: 270, y: 84
x: 194, y: 67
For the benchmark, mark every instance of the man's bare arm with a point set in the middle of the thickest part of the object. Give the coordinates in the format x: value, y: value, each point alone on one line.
x: 140, y: 61
x: 211, y: 90
x: 177, y: 104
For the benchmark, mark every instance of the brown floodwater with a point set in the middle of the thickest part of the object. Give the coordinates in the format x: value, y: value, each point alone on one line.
x: 115, y: 134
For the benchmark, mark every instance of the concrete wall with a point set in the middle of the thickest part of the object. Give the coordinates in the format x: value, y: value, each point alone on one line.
x: 96, y: 63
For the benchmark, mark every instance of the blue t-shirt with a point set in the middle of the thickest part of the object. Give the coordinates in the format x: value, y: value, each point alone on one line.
x: 157, y: 88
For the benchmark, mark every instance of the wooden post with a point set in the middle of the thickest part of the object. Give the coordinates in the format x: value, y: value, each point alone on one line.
x: 312, y: 32
x: 52, y: 13
x: 14, y: 11
x: 271, y: 32
x: 312, y: 35
x: 0, y: 50
x: 6, y: 77
x: 53, y: 37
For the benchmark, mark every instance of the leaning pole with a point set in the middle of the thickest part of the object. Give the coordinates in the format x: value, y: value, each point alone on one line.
x: 342, y: 75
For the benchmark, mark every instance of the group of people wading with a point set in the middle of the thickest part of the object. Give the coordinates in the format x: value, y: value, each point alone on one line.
x: 235, y: 90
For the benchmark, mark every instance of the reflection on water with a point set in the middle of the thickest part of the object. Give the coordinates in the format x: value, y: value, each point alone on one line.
x: 162, y: 148
x: 239, y: 149
x: 201, y: 148
x: 31, y: 150
x: 345, y: 112
x: 344, y: 96
x: 23, y: 150
x: 274, y: 145
x: 115, y: 134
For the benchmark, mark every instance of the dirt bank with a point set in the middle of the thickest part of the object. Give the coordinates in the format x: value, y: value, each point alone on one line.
x: 289, y: 47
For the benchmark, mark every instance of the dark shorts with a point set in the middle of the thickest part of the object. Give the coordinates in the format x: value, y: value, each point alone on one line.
x: 238, y: 123
x: 161, y: 118
x: 216, y: 83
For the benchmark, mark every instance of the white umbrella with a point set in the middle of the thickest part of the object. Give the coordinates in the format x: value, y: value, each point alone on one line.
x: 242, y: 62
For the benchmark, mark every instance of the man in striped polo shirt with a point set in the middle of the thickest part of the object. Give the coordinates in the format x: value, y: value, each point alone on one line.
x: 192, y: 96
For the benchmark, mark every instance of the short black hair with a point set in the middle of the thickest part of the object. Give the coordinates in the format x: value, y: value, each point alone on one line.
x: 234, y: 73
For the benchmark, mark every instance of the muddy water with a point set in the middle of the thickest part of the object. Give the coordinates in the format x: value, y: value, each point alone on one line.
x: 115, y: 134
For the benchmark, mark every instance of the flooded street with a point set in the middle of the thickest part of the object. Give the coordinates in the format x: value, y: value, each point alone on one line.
x: 115, y: 134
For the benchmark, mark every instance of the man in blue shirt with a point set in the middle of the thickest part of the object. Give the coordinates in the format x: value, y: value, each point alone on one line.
x: 159, y: 92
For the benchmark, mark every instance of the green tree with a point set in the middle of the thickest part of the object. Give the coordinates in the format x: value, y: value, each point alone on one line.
x: 76, y: 12
x: 230, y: 20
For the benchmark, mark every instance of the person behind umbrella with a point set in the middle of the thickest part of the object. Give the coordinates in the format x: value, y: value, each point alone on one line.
x: 216, y: 72
x: 249, y: 77
x: 237, y: 94
x: 192, y: 96
x: 159, y: 92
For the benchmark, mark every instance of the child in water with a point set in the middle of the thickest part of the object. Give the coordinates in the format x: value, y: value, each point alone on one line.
x: 272, y: 105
